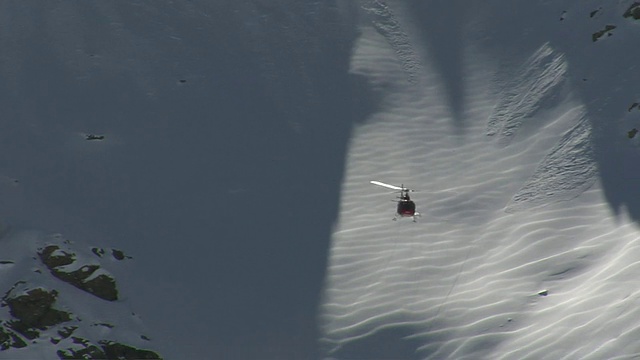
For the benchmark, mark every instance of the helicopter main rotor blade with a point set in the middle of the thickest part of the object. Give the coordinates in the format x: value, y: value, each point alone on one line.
x: 385, y: 185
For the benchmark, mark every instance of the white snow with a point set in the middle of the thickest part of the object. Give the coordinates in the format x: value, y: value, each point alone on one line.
x: 518, y: 253
x: 239, y: 141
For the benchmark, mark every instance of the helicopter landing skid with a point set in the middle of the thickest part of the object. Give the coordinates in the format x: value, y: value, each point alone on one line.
x: 415, y: 215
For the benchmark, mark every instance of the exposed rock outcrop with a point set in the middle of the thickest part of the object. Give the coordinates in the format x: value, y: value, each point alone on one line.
x: 85, y: 277
x: 606, y: 31
x: 117, y: 254
x: 9, y: 339
x: 32, y: 312
x: 105, y: 349
x: 35, y: 310
x: 633, y: 11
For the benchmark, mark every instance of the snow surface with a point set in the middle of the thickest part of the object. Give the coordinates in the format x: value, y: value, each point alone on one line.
x: 513, y: 132
x: 239, y: 141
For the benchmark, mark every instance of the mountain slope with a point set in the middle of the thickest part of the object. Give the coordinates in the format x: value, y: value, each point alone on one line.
x: 208, y: 162
x: 514, y: 133
x: 219, y: 143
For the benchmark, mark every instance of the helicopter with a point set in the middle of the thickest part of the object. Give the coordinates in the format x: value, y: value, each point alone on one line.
x: 406, y: 207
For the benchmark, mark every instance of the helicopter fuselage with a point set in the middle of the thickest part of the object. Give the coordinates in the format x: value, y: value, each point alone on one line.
x: 406, y: 208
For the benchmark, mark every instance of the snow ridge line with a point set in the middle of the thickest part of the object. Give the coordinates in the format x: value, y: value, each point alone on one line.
x: 566, y: 172
x: 539, y: 79
x: 388, y: 26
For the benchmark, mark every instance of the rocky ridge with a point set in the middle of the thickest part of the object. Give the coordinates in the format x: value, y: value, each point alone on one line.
x: 39, y: 307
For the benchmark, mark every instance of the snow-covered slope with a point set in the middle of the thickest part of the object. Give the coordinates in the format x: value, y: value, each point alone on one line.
x: 512, y: 123
x: 63, y: 299
x: 226, y: 147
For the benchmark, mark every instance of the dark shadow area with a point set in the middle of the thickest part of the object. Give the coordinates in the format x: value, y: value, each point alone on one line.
x: 608, y: 86
x: 226, y: 132
x: 441, y: 23
x: 391, y: 343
